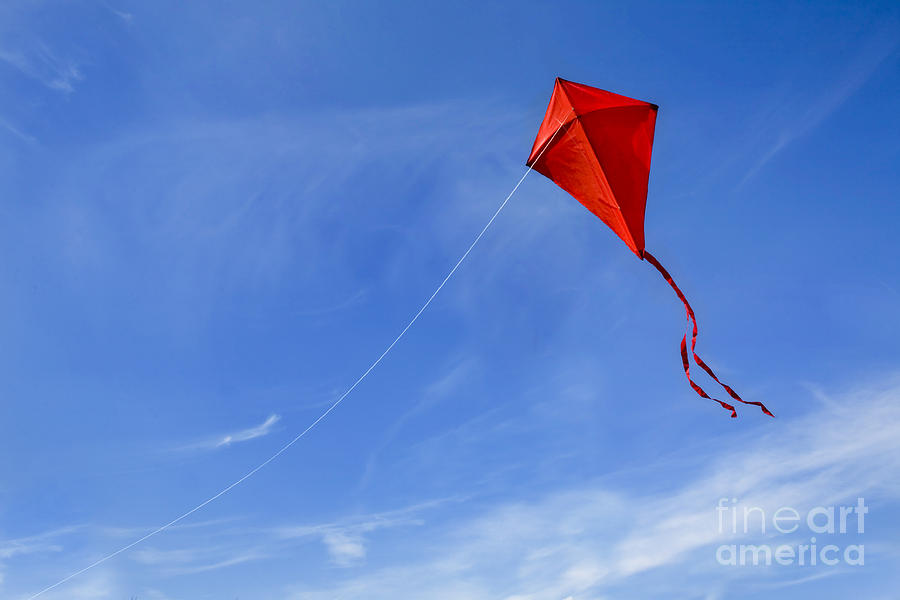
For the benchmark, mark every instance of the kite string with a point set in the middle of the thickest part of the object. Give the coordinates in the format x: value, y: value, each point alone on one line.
x: 331, y: 407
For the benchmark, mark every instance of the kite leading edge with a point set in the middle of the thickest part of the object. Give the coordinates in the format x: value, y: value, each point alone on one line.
x: 603, y: 160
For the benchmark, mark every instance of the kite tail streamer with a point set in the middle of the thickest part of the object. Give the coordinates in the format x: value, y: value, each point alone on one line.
x: 684, y: 356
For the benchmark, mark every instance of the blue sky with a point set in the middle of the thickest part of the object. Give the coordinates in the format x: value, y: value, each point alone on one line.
x: 213, y: 217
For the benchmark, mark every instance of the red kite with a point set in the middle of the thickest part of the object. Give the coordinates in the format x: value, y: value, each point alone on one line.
x: 602, y: 159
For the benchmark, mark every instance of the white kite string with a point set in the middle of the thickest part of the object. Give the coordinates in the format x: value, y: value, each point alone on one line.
x: 330, y: 408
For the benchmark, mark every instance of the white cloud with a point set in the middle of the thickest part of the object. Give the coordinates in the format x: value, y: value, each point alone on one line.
x: 345, y: 540
x: 276, y: 202
x: 42, y: 65
x: 227, y: 439
x: 251, y: 433
x: 44, y: 543
x: 880, y: 45
x: 187, y: 561
x: 100, y: 584
x: 15, y: 131
x: 345, y: 548
x: 602, y: 539
x: 439, y: 391
x: 127, y: 17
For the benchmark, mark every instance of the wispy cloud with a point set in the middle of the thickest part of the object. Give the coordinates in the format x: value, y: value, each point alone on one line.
x: 43, y: 542
x: 599, y: 539
x: 5, y: 125
x: 41, y: 64
x: 242, y: 220
x: 856, y: 73
x: 345, y: 540
x: 98, y: 585
x: 127, y: 17
x: 48, y: 542
x: 227, y: 439
x: 186, y: 561
x: 132, y: 532
x: 589, y: 541
x: 440, y: 390
x: 251, y: 433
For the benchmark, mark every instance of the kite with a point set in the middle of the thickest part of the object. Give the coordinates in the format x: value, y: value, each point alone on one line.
x: 602, y: 158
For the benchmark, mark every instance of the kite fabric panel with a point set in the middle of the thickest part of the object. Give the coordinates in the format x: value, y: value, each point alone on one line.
x: 602, y: 158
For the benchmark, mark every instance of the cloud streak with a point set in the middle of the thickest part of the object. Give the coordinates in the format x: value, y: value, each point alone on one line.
x: 859, y: 70
x: 188, y: 561
x: 600, y: 539
x: 251, y: 433
x: 345, y: 539
x: 235, y: 437
x: 42, y: 65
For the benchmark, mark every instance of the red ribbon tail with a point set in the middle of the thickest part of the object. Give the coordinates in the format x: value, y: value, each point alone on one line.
x: 684, y: 355
x: 697, y: 388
